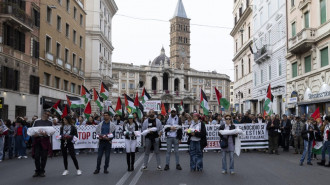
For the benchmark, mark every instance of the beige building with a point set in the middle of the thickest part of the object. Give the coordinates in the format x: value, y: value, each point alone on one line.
x: 62, y: 50
x: 243, y: 58
x: 308, y: 69
x: 232, y: 97
x: 170, y: 79
x: 19, y: 41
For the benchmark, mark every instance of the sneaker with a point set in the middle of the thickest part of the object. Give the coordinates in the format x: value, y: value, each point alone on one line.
x: 166, y: 168
x: 232, y: 173
x: 206, y: 151
x: 120, y: 152
x: 96, y: 171
x: 35, y: 174
x: 144, y: 168
x: 42, y: 175
x: 25, y: 157
x: 106, y: 171
x: 66, y: 172
x: 159, y: 168
x: 223, y: 172
x: 178, y: 167
x: 79, y: 172
x: 19, y: 157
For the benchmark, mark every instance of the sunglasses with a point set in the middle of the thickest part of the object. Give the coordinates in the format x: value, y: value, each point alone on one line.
x: 228, y: 118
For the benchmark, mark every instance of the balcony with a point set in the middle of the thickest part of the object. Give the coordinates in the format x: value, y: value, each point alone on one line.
x: 68, y: 66
x: 18, y: 55
x: 75, y: 70
x: 262, y: 54
x: 59, y: 62
x: 49, y: 57
x: 302, y: 42
x: 16, y: 15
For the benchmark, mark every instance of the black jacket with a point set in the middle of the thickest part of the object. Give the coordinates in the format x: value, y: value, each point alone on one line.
x: 273, y: 131
x: 202, y: 135
x: 232, y: 127
x: 179, y: 132
x: 246, y: 119
x: 73, y: 133
x: 305, y: 131
x: 287, y: 128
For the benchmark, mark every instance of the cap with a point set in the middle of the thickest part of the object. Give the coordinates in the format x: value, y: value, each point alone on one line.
x: 173, y: 109
x: 130, y: 116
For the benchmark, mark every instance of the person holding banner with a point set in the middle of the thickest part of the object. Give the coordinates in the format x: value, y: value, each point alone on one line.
x: 228, y: 145
x: 104, y: 132
x: 197, y: 142
x: 67, y: 134
x: 152, y: 138
x: 173, y: 134
x: 130, y: 141
x: 273, y: 127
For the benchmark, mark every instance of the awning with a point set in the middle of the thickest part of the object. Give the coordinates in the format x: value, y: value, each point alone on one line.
x: 327, y: 100
x: 291, y: 106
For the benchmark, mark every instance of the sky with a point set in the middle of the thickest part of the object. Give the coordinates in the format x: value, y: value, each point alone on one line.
x: 139, y: 41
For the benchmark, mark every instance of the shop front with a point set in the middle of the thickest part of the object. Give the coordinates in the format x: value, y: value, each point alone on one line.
x: 312, y: 101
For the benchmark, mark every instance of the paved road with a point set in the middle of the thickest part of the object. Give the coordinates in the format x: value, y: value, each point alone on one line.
x: 251, y: 168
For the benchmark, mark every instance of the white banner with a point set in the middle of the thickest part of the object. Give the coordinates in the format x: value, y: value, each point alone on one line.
x: 152, y: 105
x: 87, y: 138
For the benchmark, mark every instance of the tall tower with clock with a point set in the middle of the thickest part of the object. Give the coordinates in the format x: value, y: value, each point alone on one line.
x: 180, y: 38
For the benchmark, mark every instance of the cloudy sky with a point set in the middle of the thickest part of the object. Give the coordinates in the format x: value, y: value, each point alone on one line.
x: 138, y: 41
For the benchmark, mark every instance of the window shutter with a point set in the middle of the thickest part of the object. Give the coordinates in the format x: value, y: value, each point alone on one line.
x: 10, y: 78
x: 36, y: 85
x: 17, y: 81
x: 38, y: 19
x: 22, y: 42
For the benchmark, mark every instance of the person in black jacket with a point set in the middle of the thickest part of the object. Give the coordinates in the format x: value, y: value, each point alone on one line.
x: 308, y: 134
x: 197, y: 142
x: 68, y: 131
x: 130, y: 141
x: 173, y: 134
x: 273, y: 127
x: 286, y: 131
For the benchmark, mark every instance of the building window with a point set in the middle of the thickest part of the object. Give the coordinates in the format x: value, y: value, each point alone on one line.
x: 48, y: 44
x: 58, y: 50
x: 249, y: 65
x: 262, y: 76
x: 308, y: 65
x: 73, y: 60
x: 73, y: 88
x: 236, y: 70
x: 294, y: 70
x: 59, y: 23
x: 80, y: 42
x: 68, y: 5
x: 242, y: 68
x: 279, y: 68
x: 59, y: 2
x: 81, y: 19
x: 65, y: 85
x: 249, y: 31
x: 35, y: 49
x: 323, y: 11
x: 36, y: 16
x: 293, y: 27
x: 306, y: 17
x: 292, y: 3
x: 80, y: 63
x: 66, y: 56
x: 324, y: 57
x: 49, y: 15
x: 74, y: 12
x: 9, y: 78
x: 79, y: 89
x: 131, y: 86
x: 67, y: 30
x: 47, y: 79
x: 269, y: 72
x: 74, y: 36
x: 123, y: 86
x: 34, y: 84
x: 57, y: 82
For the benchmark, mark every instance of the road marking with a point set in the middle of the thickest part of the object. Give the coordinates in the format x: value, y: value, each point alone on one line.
x: 128, y: 174
x: 139, y: 173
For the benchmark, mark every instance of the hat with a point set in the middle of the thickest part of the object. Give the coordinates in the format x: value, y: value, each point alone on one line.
x: 130, y: 116
x: 173, y: 109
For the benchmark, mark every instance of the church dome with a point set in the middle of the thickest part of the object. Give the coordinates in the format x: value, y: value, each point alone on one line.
x: 161, y: 59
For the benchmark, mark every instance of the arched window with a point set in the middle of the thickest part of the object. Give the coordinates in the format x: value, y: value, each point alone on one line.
x: 165, y: 81
x: 176, y: 84
x: 154, y: 83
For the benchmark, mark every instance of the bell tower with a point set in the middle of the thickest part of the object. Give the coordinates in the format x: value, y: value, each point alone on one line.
x: 180, y: 38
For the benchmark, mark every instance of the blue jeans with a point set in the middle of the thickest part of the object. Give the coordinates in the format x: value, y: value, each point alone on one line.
x: 175, y: 142
x: 326, y: 146
x: 196, y: 155
x: 307, y: 148
x: 2, y: 143
x: 224, y: 161
x: 104, y: 147
x: 20, y: 146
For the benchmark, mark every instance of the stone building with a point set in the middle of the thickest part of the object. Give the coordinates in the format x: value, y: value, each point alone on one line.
x: 170, y: 79
x: 62, y: 50
x: 308, y: 69
x: 243, y: 58
x: 269, y: 38
x: 19, y: 53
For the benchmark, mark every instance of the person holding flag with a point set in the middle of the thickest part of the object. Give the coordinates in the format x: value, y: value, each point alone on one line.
x: 130, y: 129
x: 308, y: 134
x: 173, y: 134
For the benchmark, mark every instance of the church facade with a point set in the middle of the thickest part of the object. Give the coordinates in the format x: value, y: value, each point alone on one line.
x: 171, y: 79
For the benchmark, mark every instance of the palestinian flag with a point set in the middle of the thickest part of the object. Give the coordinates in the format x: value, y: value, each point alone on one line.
x: 181, y: 107
x: 98, y: 100
x: 129, y: 103
x: 163, y: 112
x: 119, y: 109
x: 88, y: 110
x: 104, y: 91
x: 75, y: 102
x: 222, y: 101
x: 145, y: 96
x: 268, y: 107
x: 138, y: 106
x: 317, y: 147
x: 204, y: 103
x: 56, y: 108
x: 316, y: 115
x: 85, y: 94
x: 65, y: 111
x: 111, y: 111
